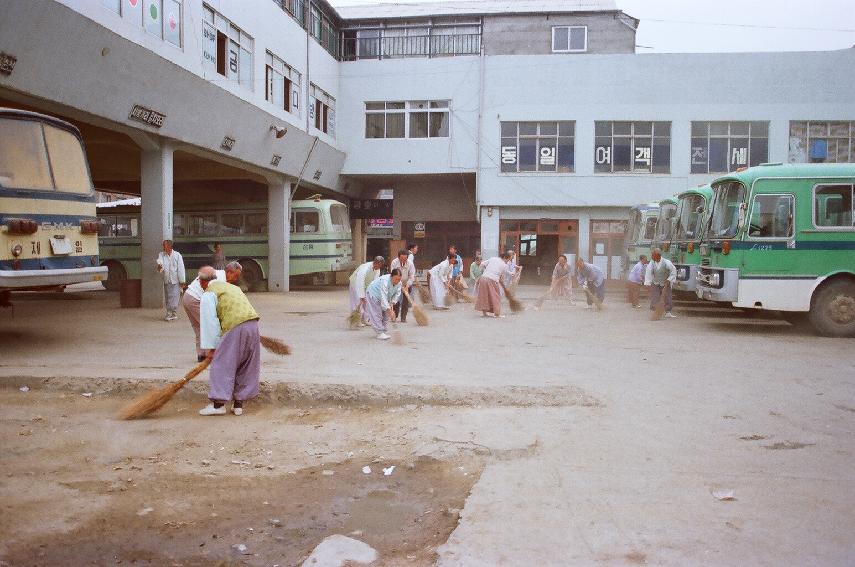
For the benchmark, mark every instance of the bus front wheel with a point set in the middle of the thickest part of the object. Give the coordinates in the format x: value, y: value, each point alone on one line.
x: 833, y: 310
x: 252, y: 276
x: 115, y: 274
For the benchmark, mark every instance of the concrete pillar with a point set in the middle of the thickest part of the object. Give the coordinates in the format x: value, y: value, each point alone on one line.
x: 585, y: 236
x: 156, y: 192
x: 359, y: 241
x: 279, y: 235
x: 489, y: 232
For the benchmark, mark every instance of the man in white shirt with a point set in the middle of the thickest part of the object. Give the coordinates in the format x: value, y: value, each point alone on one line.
x: 659, y: 271
x: 408, y: 276
x: 171, y: 265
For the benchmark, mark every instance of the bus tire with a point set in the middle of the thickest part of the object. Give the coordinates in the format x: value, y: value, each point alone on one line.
x: 832, y: 311
x: 252, y: 276
x: 115, y: 274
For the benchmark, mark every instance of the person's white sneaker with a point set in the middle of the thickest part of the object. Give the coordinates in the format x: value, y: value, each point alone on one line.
x: 383, y: 336
x: 211, y: 410
x: 670, y: 315
x: 237, y: 411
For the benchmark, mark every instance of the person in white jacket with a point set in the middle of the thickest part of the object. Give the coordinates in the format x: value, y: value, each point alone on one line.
x: 439, y: 281
x: 660, y: 270
x: 359, y: 281
x: 171, y: 265
x: 381, y: 295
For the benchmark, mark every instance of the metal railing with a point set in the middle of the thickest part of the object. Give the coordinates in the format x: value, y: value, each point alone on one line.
x: 391, y: 47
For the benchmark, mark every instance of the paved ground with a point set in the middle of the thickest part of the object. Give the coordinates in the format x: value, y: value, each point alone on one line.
x: 619, y: 434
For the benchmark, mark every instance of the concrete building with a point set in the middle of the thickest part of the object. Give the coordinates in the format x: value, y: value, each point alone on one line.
x: 493, y: 124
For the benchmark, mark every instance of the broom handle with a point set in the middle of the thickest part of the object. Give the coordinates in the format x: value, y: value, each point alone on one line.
x: 198, y: 369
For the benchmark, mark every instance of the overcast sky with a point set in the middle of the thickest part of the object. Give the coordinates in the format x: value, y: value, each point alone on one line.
x: 751, y: 25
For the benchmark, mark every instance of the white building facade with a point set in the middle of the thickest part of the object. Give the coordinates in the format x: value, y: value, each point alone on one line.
x: 530, y: 124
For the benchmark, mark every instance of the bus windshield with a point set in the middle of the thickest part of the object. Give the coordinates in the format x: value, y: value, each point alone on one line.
x: 725, y: 215
x: 339, y: 219
x: 41, y: 157
x: 649, y: 229
x: 634, y: 227
x: 691, y: 217
x: 667, y: 212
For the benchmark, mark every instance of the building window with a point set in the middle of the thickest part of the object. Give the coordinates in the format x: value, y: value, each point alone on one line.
x: 323, y: 30
x: 634, y: 147
x: 161, y: 18
x: 410, y: 119
x: 538, y: 146
x: 834, y: 206
x: 297, y: 9
x: 822, y: 142
x: 322, y: 110
x: 569, y: 39
x: 226, y: 48
x: 719, y: 147
x: 282, y: 84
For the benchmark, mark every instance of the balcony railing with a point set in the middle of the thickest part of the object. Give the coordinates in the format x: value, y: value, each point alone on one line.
x: 391, y: 47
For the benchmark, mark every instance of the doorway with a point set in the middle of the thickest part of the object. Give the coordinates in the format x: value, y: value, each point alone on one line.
x: 538, y: 244
x: 607, y: 246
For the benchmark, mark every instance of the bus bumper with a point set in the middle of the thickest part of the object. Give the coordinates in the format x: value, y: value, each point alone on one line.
x: 687, y: 278
x: 718, y: 284
x: 19, y: 279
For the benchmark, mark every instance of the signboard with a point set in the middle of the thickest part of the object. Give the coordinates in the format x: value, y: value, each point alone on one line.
x: 147, y: 116
x: 228, y: 143
x: 371, y: 208
x: 381, y: 223
x: 419, y: 230
x: 209, y: 44
x: 7, y: 63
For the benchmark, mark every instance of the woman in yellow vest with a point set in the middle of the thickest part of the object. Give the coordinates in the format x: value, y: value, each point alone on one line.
x: 229, y: 331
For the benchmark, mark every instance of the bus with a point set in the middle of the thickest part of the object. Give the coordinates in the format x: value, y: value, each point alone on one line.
x: 320, y: 238
x: 683, y: 244
x: 781, y: 237
x: 640, y: 233
x: 48, y: 229
x: 665, y: 221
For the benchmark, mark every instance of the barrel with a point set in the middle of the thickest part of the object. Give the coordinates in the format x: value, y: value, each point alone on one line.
x: 130, y: 293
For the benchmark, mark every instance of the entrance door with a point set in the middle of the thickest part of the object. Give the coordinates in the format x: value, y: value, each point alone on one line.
x: 538, y: 244
x: 607, y: 239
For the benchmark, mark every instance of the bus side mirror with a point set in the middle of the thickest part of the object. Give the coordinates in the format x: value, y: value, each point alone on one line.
x: 699, y: 210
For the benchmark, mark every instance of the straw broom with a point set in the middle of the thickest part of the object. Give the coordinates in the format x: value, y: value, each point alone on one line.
x: 424, y: 294
x: 594, y: 299
x: 156, y: 399
x: 539, y: 303
x: 354, y: 318
x: 659, y: 311
x: 418, y: 312
x: 464, y: 296
x: 516, y: 304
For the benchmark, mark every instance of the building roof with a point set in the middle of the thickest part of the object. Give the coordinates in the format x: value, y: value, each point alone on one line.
x: 472, y: 8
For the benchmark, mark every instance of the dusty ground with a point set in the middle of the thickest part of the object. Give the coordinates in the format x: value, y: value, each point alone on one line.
x: 79, y: 488
x: 585, y: 439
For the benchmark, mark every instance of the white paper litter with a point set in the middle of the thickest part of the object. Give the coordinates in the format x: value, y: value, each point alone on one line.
x: 388, y: 470
x: 366, y: 469
x: 145, y: 511
x: 24, y: 388
x: 87, y: 395
x: 724, y: 495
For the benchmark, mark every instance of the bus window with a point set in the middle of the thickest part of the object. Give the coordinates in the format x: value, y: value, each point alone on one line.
x: 339, y: 219
x: 23, y: 159
x: 106, y: 226
x: 231, y: 224
x: 691, y: 215
x: 833, y: 206
x: 256, y: 223
x: 650, y: 228
x: 305, y: 220
x: 771, y: 216
x: 126, y: 226
x: 666, y: 221
x: 725, y: 221
x: 203, y: 225
x: 67, y: 161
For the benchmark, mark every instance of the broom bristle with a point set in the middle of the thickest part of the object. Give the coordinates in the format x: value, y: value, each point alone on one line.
x: 516, y: 305
x: 275, y: 346
x: 420, y: 315
x: 152, y: 401
x: 397, y: 337
x: 354, y: 318
x: 449, y: 299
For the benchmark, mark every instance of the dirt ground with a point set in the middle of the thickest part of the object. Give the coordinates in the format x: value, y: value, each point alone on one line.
x: 80, y: 488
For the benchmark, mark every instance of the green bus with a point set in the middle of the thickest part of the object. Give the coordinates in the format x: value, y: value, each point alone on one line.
x: 781, y: 237
x: 320, y: 238
x: 640, y: 233
x: 683, y: 243
x: 665, y: 222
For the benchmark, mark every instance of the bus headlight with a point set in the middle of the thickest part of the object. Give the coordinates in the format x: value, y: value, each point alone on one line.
x: 715, y: 279
x: 17, y: 250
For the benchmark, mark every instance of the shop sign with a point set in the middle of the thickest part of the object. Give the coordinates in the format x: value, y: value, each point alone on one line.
x: 371, y: 209
x: 274, y: 161
x: 228, y: 143
x: 147, y: 116
x: 7, y: 63
x: 419, y: 230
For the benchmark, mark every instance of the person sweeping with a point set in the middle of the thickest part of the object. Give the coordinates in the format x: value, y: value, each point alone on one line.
x: 593, y: 282
x: 359, y: 281
x: 488, y: 298
x: 229, y: 331
x: 439, y: 281
x: 382, y: 294
x: 660, y: 274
